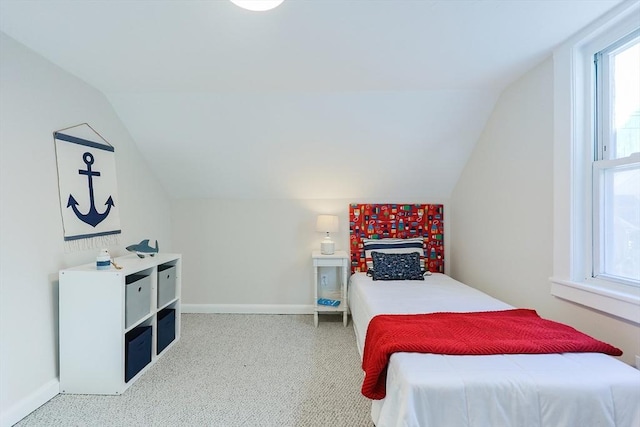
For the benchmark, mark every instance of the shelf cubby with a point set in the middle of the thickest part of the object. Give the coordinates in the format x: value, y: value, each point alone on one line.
x: 110, y: 320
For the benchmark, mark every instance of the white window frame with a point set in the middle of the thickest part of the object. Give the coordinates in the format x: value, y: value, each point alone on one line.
x: 603, y: 151
x: 574, y: 104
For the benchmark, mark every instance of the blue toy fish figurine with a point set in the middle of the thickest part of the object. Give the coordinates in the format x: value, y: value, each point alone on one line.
x: 143, y: 248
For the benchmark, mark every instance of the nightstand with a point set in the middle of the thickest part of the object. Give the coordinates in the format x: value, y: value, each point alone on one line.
x: 330, y: 270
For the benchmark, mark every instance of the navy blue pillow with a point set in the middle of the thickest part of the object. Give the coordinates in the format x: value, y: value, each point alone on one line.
x: 396, y: 266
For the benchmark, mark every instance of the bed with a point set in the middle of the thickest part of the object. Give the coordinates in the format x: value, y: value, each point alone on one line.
x: 506, y: 390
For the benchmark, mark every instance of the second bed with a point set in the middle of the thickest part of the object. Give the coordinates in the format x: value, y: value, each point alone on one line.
x: 513, y: 390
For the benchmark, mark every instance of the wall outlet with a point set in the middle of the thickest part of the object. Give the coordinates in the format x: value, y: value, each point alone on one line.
x: 324, y: 281
x: 637, y: 362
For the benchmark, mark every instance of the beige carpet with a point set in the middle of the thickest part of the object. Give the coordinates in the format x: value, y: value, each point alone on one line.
x: 235, y: 370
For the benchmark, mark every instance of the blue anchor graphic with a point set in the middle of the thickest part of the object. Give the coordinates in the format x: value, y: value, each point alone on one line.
x: 93, y: 217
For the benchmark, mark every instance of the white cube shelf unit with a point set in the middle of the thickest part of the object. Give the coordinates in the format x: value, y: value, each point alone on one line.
x: 94, y: 327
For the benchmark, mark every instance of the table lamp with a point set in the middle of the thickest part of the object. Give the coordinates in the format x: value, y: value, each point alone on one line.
x: 327, y: 224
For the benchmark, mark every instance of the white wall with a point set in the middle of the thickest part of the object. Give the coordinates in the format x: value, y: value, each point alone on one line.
x: 37, y: 98
x: 502, y: 213
x: 255, y: 255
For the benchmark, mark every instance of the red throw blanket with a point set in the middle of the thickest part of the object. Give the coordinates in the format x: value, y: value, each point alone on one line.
x: 518, y: 331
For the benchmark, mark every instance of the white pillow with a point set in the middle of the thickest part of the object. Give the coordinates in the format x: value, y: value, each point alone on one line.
x: 393, y: 246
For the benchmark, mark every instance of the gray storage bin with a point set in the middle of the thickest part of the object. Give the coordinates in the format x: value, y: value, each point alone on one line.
x: 137, y: 298
x: 166, y: 284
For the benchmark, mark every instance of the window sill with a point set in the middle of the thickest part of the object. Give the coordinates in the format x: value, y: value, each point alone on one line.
x: 618, y: 300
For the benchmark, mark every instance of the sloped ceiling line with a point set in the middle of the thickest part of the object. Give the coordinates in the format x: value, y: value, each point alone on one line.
x: 314, y: 99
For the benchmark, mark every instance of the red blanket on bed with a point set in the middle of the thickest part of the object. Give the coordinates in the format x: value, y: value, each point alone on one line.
x: 518, y: 331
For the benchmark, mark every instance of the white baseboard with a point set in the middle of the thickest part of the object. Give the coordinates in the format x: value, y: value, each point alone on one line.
x: 30, y: 403
x: 248, y: 308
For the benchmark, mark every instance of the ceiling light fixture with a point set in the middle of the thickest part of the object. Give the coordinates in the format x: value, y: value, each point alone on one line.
x: 257, y: 5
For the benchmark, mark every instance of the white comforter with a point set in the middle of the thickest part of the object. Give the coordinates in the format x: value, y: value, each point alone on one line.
x: 547, y: 390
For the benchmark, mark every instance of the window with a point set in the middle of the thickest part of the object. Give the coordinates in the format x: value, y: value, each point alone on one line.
x: 616, y: 165
x: 596, y: 165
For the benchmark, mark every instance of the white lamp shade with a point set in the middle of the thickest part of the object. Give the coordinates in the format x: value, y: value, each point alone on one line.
x: 257, y: 5
x: 327, y: 223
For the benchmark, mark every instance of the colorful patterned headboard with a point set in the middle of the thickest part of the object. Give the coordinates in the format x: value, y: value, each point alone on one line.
x: 376, y: 221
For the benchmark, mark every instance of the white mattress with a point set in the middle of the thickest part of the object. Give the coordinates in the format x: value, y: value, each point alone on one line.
x: 521, y: 390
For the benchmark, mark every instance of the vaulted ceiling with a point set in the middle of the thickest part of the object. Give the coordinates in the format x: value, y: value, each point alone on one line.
x: 314, y: 99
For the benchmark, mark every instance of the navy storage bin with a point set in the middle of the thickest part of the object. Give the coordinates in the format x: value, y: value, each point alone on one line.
x: 166, y: 328
x: 166, y: 284
x: 137, y: 351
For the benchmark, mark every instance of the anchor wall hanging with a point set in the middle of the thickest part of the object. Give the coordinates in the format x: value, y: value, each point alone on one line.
x: 88, y: 188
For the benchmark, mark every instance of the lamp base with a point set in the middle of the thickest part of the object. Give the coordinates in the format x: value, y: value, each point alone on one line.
x: 327, y: 247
